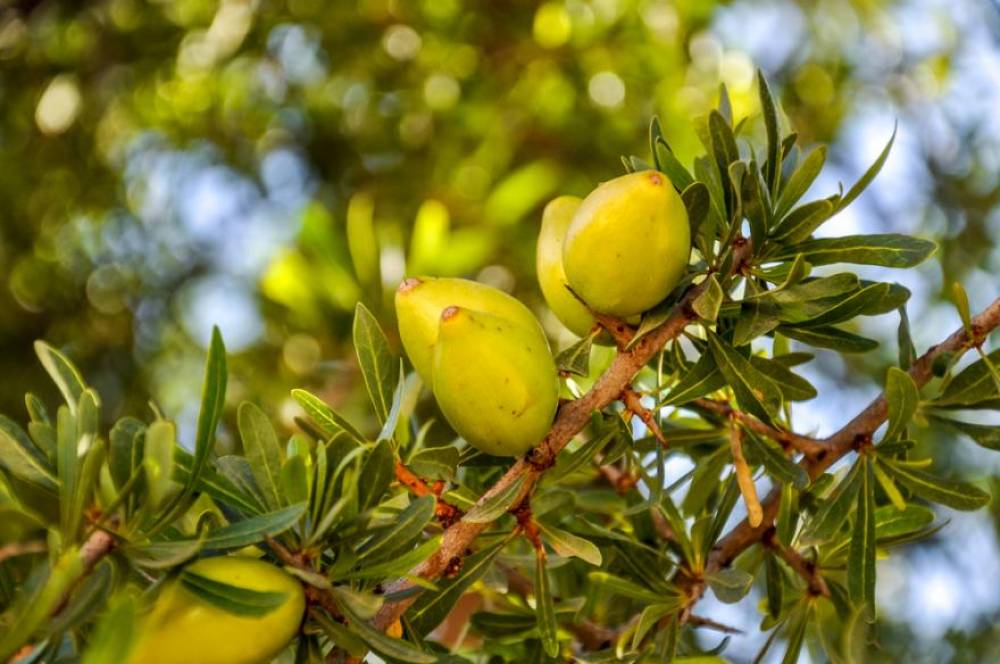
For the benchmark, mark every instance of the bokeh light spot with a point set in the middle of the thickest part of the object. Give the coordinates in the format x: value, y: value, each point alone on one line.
x: 58, y: 106
x: 552, y: 26
x: 607, y: 89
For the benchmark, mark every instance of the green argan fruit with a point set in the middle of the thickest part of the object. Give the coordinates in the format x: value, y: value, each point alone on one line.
x: 628, y: 244
x: 183, y: 627
x: 494, y: 380
x: 549, y: 264
x: 420, y: 301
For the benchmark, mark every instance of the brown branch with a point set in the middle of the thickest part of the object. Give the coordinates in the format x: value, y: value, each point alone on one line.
x: 787, y: 439
x: 807, y: 569
x: 15, y: 549
x: 446, y: 513
x: 858, y: 431
x: 708, y: 623
x: 570, y: 420
x: 633, y: 404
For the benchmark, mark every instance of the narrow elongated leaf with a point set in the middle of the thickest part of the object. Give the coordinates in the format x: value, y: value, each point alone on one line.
x: 260, y: 445
x: 340, y: 635
x: 545, y: 609
x: 903, y: 398
x: 972, y: 385
x: 984, y: 435
x: 436, y: 463
x: 888, y: 486
x: 958, y: 495
x: 777, y: 464
x: 410, y: 523
x: 116, y: 630
x: 891, y: 522
x: 756, y: 393
x: 497, y: 504
x: 329, y: 422
x: 796, y: 635
x: 672, y: 167
x: 378, y: 367
x: 756, y: 205
x: 125, y: 453
x: 576, y: 358
x: 624, y: 587
x: 698, y: 203
x: 775, y: 583
x: 376, y: 474
x: 887, y: 250
x: 648, y: 619
x: 399, y: 564
x: 800, y: 223
x: 22, y: 458
x: 907, y: 351
x: 215, y: 485
x: 868, y: 176
x: 772, y: 167
x: 800, y: 181
x: 830, y: 337
x: 870, y: 297
x: 834, y: 510
x: 158, y: 461
x: 66, y: 376
x: 709, y: 300
x: 793, y: 387
x: 235, y: 535
x: 569, y: 462
x: 432, y: 607
x: 245, y: 602
x: 567, y: 544
x: 861, y: 558
x: 701, y: 379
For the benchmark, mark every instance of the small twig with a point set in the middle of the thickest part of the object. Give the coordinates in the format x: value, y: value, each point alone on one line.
x: 744, y: 477
x: 787, y: 439
x: 621, y: 481
x: 633, y: 404
x: 805, y: 568
x: 15, y: 549
x: 708, y: 623
x: 446, y: 513
x: 526, y: 524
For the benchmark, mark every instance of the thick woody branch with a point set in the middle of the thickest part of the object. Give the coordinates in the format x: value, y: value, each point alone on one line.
x: 858, y: 430
x: 570, y: 420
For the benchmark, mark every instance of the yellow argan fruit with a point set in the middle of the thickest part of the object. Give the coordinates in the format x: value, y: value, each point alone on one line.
x: 494, y: 380
x: 182, y: 627
x: 628, y: 244
x: 420, y: 301
x: 549, y: 265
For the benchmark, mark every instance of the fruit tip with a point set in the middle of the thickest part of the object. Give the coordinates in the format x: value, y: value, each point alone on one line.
x: 449, y: 312
x: 408, y: 284
x: 655, y: 178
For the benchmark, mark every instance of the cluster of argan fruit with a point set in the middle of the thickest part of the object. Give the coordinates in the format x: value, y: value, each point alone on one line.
x: 619, y: 251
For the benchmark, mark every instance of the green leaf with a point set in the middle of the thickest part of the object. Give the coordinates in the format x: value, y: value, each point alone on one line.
x: 343, y: 637
x: 294, y: 478
x: 858, y: 303
x: 887, y: 250
x: 756, y: 205
x: 125, y: 453
x: 984, y: 435
x: 377, y: 474
x: 386, y: 646
x: 260, y: 445
x: 329, y: 422
x: 215, y: 485
x: 972, y: 385
x: 672, y: 167
x: 796, y: 635
x: 730, y: 584
x: 361, y: 241
x: 625, y: 588
x: 755, y: 392
x: 892, y: 522
x: 777, y: 464
x: 432, y: 607
x: 868, y: 176
x: 793, y: 387
x: 907, y: 351
x: 772, y: 167
x: 775, y: 584
x: 398, y: 565
x: 709, y: 300
x: 20, y: 456
x: 66, y: 376
x: 830, y: 337
x: 234, y: 536
x: 576, y: 358
x: 957, y: 495
x: 834, y: 510
x: 379, y: 368
x: 861, y: 557
x: 494, y: 505
x: 410, y: 523
x: 698, y: 203
x: 244, y: 602
x: 648, y: 619
x: 800, y: 181
x: 569, y: 461
x: 567, y: 544
x: 436, y: 463
x: 888, y: 486
x: 545, y: 610
x: 801, y: 222
x: 903, y: 398
x: 158, y: 461
x: 701, y: 379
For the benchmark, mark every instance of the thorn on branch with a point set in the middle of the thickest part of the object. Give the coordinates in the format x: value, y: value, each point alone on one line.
x: 633, y: 405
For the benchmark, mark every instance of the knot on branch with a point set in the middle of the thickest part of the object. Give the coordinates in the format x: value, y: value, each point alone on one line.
x: 539, y: 458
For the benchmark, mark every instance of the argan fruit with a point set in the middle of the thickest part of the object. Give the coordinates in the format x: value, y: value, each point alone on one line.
x: 420, y: 301
x: 183, y: 627
x: 628, y: 244
x: 494, y: 380
x: 549, y: 265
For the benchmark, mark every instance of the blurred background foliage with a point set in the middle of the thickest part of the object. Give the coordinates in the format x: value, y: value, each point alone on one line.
x: 170, y: 165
